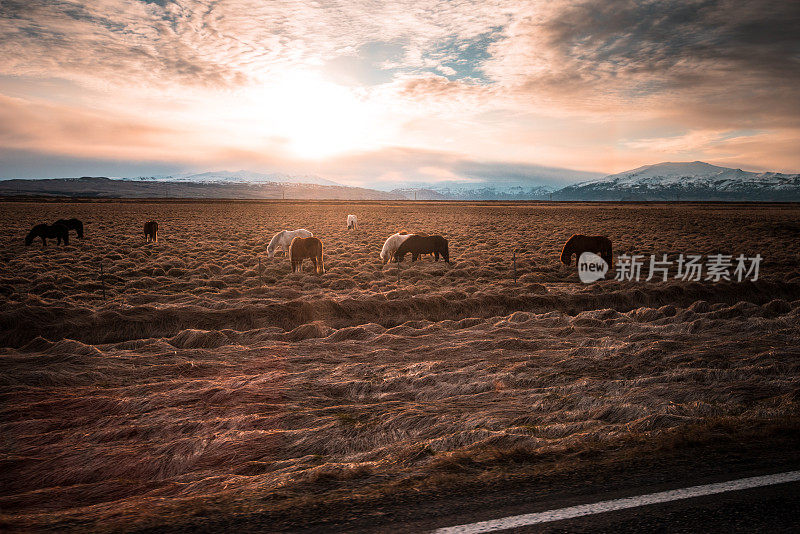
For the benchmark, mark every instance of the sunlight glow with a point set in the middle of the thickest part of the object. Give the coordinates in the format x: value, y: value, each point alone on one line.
x: 317, y: 118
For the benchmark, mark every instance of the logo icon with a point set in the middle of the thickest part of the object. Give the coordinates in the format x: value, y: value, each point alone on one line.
x: 591, y: 267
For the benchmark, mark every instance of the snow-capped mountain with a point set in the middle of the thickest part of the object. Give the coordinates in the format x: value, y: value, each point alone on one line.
x: 481, y: 191
x: 243, y: 176
x: 694, y: 180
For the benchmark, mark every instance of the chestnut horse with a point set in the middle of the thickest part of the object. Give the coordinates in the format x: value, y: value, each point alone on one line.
x: 56, y: 231
x: 151, y: 231
x: 72, y: 224
x: 306, y: 247
x: 418, y: 244
x: 578, y: 244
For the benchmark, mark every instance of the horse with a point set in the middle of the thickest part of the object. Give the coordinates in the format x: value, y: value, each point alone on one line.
x: 391, y: 244
x: 578, y: 244
x: 72, y: 224
x: 352, y: 222
x: 306, y: 247
x: 151, y: 231
x: 418, y: 244
x: 56, y: 231
x: 284, y: 238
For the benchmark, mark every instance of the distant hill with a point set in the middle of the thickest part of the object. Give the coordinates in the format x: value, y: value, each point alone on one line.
x: 101, y: 187
x: 671, y: 181
x: 694, y: 180
x: 243, y: 176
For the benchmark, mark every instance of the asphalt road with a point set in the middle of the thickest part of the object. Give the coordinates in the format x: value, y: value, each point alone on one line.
x: 773, y: 508
x: 766, y: 509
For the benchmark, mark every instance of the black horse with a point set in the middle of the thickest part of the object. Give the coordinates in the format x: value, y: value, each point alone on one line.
x: 72, y: 224
x: 56, y: 231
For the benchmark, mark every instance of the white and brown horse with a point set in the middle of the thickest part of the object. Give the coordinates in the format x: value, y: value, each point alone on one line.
x: 284, y: 238
x: 391, y: 244
x: 352, y: 222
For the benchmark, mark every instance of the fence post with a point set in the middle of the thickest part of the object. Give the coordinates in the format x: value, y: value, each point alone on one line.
x: 514, y: 262
x: 103, y: 279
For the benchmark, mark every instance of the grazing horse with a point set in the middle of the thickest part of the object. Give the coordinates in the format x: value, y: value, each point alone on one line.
x: 578, y: 244
x: 151, y: 231
x: 391, y: 244
x: 284, y: 238
x: 418, y: 244
x: 56, y: 231
x: 72, y: 224
x: 306, y: 247
x: 352, y: 222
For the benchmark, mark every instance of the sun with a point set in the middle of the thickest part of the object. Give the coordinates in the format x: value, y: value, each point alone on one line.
x: 316, y: 117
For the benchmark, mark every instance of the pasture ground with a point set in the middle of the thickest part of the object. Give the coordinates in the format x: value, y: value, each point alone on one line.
x: 204, y: 383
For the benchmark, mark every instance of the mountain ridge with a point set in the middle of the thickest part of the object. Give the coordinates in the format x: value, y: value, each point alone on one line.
x: 666, y: 181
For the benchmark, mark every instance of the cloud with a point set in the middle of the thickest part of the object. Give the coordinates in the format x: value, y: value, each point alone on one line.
x: 582, y: 84
x: 704, y: 60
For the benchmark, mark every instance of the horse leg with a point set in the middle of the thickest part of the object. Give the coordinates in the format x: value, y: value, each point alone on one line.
x: 436, y: 256
x: 44, y: 242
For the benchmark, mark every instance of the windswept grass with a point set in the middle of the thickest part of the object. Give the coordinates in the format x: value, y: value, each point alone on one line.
x: 204, y: 382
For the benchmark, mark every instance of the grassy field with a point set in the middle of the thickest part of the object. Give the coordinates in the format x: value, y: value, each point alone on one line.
x: 210, y: 377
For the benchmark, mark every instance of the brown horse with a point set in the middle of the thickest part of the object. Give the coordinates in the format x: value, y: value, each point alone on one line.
x: 56, y: 231
x: 578, y: 244
x: 151, y: 231
x: 72, y: 224
x: 423, y: 244
x: 306, y: 247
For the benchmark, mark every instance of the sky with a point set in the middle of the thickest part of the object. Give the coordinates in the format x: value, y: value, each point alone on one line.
x: 374, y: 93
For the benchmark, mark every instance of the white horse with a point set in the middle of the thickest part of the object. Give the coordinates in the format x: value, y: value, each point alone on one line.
x: 392, y: 244
x: 284, y: 238
x: 352, y: 222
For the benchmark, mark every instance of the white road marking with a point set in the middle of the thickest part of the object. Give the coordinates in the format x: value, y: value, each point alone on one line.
x: 516, y: 521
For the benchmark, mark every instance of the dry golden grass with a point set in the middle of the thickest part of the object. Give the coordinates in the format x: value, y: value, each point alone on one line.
x: 202, y: 379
